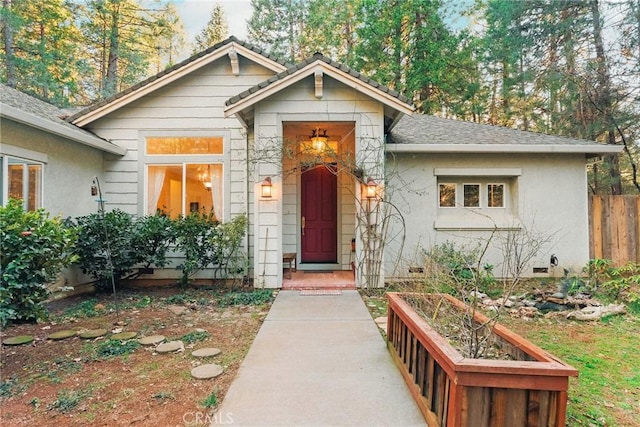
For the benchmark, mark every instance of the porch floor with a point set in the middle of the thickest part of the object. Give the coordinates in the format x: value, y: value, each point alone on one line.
x: 318, y: 280
x: 318, y: 361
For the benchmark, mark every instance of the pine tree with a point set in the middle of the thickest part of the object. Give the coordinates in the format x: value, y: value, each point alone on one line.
x: 216, y: 30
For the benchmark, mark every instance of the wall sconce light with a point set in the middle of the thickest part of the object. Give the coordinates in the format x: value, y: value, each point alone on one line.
x: 372, y: 188
x: 265, y: 187
x: 319, y: 140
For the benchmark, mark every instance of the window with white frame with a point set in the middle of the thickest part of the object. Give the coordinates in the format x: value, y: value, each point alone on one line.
x: 21, y: 179
x: 185, y: 174
x: 459, y: 193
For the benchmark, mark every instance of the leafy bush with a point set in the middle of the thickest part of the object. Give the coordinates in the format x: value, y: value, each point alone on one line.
x: 103, y: 235
x: 205, y: 242
x: 460, y: 268
x: 152, y: 237
x: 144, y: 241
x: 35, y: 249
x: 616, y: 283
x: 226, y: 241
x: 194, y: 240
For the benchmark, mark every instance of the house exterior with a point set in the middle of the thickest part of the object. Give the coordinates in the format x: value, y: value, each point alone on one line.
x: 45, y: 160
x: 332, y: 167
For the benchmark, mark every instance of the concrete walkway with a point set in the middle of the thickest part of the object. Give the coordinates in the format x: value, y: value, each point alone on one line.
x: 318, y: 360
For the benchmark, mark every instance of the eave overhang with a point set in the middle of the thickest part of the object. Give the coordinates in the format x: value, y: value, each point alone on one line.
x: 61, y: 130
x: 589, y: 149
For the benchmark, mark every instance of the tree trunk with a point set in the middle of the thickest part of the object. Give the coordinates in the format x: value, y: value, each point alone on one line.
x: 603, y: 98
x: 8, y: 45
x: 111, y: 81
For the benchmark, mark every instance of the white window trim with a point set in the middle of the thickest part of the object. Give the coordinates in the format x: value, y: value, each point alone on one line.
x: 477, y: 218
x: 479, y: 185
x: 455, y: 195
x: 505, y: 192
x: 25, y: 176
x: 179, y: 159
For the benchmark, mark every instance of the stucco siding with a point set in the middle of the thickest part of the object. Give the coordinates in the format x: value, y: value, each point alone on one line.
x: 547, y: 198
x: 69, y: 165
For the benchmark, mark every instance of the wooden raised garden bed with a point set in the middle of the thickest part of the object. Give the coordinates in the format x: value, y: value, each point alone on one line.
x: 452, y: 390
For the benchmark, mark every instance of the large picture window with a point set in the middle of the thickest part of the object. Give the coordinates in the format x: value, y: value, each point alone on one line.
x: 180, y: 187
x: 22, y: 179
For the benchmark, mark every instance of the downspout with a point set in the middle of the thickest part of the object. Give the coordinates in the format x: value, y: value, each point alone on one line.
x: 246, y: 201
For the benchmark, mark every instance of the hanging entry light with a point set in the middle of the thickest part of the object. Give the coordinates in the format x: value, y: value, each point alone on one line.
x: 319, y: 139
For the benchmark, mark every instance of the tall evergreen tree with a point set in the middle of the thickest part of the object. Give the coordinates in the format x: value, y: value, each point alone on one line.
x: 277, y: 26
x: 41, y: 48
x: 216, y: 30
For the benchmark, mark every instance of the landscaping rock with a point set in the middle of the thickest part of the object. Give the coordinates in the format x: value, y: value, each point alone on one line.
x: 550, y: 306
x: 61, y: 335
x: 382, y: 323
x: 19, y: 340
x: 94, y: 333
x: 178, y: 310
x: 595, y: 313
x: 206, y: 352
x: 123, y: 336
x: 170, y: 347
x: 151, y: 340
x: 204, y: 372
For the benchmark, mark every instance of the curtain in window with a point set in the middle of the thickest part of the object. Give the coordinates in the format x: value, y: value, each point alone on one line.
x: 156, y: 181
x: 216, y: 190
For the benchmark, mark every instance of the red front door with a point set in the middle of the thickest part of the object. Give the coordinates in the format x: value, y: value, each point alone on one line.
x: 319, y: 215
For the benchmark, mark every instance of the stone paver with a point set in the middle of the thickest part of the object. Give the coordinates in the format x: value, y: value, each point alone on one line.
x: 170, y: 347
x: 151, y: 340
x: 204, y: 372
x: 206, y: 352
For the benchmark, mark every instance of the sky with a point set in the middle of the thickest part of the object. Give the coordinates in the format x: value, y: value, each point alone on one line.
x: 196, y: 13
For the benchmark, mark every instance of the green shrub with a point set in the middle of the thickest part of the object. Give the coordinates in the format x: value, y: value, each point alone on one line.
x: 194, y: 239
x: 35, y: 249
x: 144, y: 241
x: 103, y: 235
x: 460, y: 268
x: 152, y: 237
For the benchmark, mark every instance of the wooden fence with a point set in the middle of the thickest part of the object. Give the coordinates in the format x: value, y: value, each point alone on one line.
x: 614, y: 231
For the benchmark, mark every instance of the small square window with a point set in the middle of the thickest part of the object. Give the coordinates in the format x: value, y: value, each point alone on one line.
x: 471, y: 195
x: 447, y: 195
x: 495, y: 195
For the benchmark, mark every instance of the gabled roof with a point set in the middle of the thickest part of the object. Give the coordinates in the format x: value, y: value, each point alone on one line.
x: 175, y: 72
x: 22, y: 108
x: 318, y: 62
x: 431, y: 134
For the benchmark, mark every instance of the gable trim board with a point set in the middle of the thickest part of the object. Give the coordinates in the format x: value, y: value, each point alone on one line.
x: 231, y: 46
x: 247, y: 99
x: 45, y: 125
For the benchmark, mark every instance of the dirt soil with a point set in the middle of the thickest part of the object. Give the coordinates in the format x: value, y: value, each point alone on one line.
x: 67, y: 383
